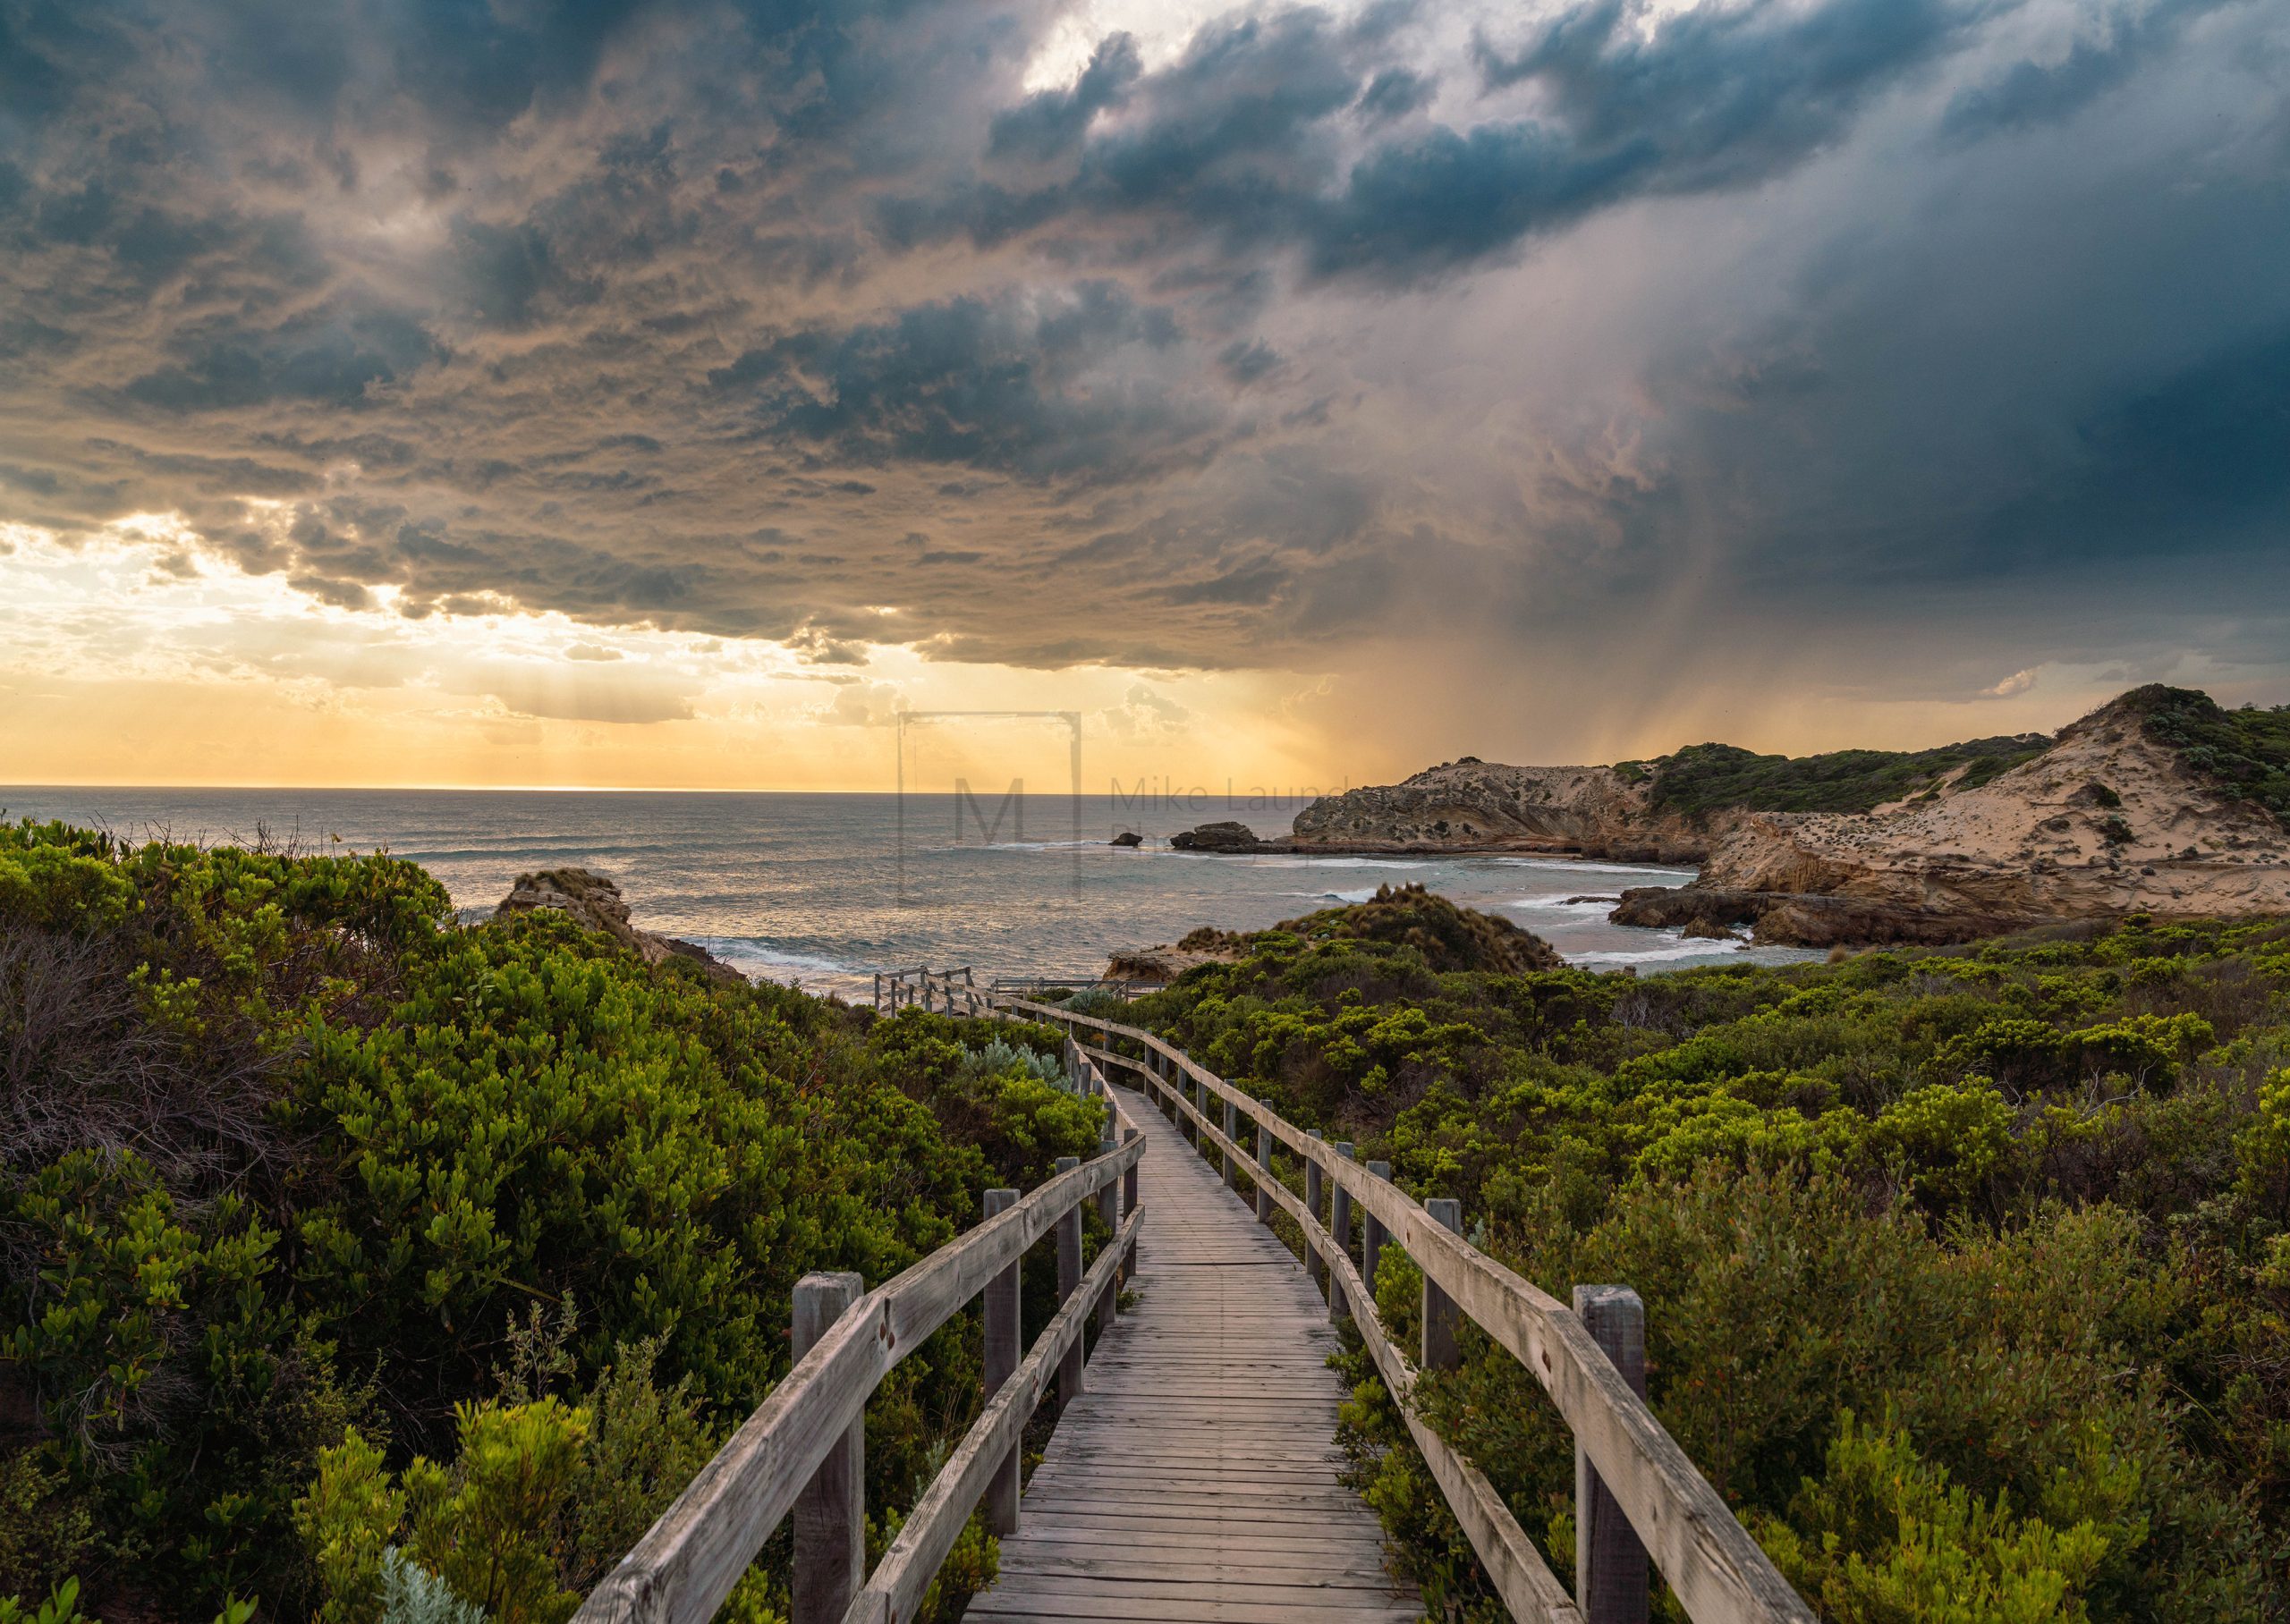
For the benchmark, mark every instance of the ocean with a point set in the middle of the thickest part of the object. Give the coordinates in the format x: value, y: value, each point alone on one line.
x: 824, y: 890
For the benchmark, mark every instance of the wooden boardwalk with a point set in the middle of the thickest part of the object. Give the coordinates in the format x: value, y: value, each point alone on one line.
x: 1196, y: 1478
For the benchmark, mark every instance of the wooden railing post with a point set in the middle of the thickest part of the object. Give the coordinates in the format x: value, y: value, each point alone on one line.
x: 1264, y: 1173
x: 1005, y: 1345
x: 1232, y: 1132
x: 1372, y: 1235
x: 1069, y: 1280
x: 1312, y: 1180
x: 1610, y: 1574
x: 830, y: 1511
x: 1439, y: 1349
x: 1339, y: 1229
x: 1129, y: 1201
x: 1110, y: 1211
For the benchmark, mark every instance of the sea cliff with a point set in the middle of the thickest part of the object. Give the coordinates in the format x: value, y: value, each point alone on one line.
x: 2158, y: 802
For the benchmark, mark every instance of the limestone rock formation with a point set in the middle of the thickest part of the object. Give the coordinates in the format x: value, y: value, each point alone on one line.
x: 594, y: 902
x: 2105, y: 820
x: 1480, y: 806
x: 1227, y: 837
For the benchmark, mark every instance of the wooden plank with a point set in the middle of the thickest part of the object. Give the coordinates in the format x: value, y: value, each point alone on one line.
x: 1609, y: 1562
x: 1718, y: 1572
x: 1197, y: 1476
x: 1005, y: 1347
x: 1514, y: 1567
x: 893, y: 1592
x: 689, y: 1559
x: 830, y: 1512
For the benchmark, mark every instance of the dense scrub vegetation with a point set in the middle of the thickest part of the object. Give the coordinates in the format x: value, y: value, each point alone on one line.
x: 1967, y: 1271
x: 1713, y: 777
x: 349, y: 1259
x: 2246, y: 752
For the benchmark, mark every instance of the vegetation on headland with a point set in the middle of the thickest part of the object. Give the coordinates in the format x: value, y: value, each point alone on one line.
x: 2246, y: 752
x: 1967, y: 1271
x: 1703, y: 778
x: 361, y: 1268
x: 351, y: 1259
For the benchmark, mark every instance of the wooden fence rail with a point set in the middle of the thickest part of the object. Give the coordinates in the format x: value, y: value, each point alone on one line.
x: 1624, y: 1459
x: 799, y: 1450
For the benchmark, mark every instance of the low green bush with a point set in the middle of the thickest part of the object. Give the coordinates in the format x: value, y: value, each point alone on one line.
x: 1965, y: 1270
x: 287, y: 1158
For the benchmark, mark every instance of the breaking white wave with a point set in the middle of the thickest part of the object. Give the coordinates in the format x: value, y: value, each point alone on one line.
x: 1674, y: 948
x: 1594, y: 905
x: 1675, y: 876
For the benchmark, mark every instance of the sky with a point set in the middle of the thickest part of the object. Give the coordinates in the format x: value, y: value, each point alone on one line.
x: 672, y: 393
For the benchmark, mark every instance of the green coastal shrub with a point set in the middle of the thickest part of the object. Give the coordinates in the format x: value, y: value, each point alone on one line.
x: 1887, y: 1537
x: 2026, y: 1201
x: 285, y: 1158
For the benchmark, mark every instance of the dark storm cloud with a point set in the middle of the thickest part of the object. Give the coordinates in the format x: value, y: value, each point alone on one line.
x: 998, y: 386
x: 1250, y: 136
x: 1394, y: 93
x: 325, y: 359
x: 1051, y: 122
x: 2200, y: 462
x: 693, y: 314
x: 2032, y: 92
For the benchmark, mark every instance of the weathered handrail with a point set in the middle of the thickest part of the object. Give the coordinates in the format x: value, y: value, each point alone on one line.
x: 956, y: 992
x: 685, y: 1565
x: 1718, y: 1571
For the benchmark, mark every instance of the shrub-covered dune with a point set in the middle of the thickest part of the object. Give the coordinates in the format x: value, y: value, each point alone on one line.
x: 1967, y: 1271
x: 343, y: 1249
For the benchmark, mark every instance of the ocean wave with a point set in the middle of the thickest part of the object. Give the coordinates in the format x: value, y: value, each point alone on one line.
x: 1018, y: 846
x: 1289, y: 860
x: 1677, y: 948
x: 740, y: 952
x: 1334, y: 896
x: 1579, y: 866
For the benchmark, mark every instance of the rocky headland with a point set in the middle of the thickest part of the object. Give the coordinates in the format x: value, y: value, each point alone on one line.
x: 2157, y: 802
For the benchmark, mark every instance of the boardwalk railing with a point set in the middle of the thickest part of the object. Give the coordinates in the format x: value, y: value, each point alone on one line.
x: 949, y: 992
x: 801, y: 1451
x: 956, y: 992
x: 1637, y: 1492
x: 1123, y: 988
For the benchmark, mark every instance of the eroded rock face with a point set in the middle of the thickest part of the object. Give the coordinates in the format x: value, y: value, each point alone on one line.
x: 2105, y: 823
x: 1224, y: 837
x: 594, y: 902
x: 1480, y: 806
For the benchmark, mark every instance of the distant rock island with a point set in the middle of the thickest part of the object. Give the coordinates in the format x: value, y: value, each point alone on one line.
x: 2159, y: 802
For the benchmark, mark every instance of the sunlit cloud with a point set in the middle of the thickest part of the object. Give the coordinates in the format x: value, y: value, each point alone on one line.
x: 675, y: 393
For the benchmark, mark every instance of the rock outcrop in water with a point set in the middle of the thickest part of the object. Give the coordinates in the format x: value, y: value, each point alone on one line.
x: 595, y: 903
x: 2110, y: 818
x: 1228, y: 838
